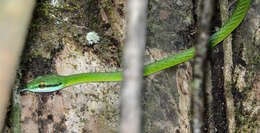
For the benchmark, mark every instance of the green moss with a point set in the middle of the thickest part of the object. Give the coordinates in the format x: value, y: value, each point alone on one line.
x: 14, y: 117
x: 92, y: 111
x: 73, y: 107
x: 34, y: 26
x: 246, y: 121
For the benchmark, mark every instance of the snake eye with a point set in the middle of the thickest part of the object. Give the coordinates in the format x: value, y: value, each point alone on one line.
x: 41, y: 85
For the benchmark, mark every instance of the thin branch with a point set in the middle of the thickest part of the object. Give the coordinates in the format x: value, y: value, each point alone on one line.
x: 133, y: 67
x: 228, y: 63
x: 198, y: 90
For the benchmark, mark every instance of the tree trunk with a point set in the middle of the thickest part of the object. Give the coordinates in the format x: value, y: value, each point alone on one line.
x: 57, y: 44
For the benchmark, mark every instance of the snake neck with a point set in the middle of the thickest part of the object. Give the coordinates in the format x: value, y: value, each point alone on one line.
x: 92, y: 77
x: 232, y: 23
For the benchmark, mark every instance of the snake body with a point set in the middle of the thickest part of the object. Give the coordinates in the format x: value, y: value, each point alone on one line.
x: 50, y: 83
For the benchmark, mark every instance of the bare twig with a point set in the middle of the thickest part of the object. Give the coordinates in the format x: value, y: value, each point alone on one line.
x: 198, y: 90
x: 227, y: 46
x: 133, y: 67
x: 209, y: 101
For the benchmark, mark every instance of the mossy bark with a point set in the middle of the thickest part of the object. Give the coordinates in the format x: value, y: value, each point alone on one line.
x: 246, y: 89
x: 57, y: 44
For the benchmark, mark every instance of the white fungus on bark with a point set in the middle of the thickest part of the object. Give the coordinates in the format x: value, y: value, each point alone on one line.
x: 92, y: 37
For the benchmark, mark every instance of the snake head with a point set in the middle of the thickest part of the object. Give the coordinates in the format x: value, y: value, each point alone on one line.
x: 47, y: 83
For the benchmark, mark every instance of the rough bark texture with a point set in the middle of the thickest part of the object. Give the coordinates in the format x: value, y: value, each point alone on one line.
x: 227, y: 71
x: 166, y: 97
x: 244, y: 77
x: 246, y: 89
x: 57, y: 44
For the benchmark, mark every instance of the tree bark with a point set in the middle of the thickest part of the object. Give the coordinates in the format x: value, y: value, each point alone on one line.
x: 57, y: 44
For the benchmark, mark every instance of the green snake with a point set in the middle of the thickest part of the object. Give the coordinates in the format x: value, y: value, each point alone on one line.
x: 50, y: 83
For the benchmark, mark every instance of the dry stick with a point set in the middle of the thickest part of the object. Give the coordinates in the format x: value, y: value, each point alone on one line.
x: 209, y: 101
x: 227, y: 46
x: 133, y: 67
x: 198, y: 90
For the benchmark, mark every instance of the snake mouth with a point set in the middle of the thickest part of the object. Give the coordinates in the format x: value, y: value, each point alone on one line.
x: 23, y: 90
